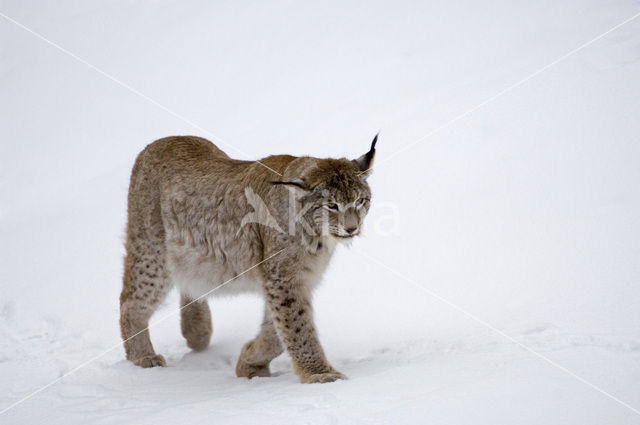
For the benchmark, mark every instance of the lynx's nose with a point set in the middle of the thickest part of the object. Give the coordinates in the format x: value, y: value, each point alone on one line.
x: 350, y: 225
x: 351, y: 230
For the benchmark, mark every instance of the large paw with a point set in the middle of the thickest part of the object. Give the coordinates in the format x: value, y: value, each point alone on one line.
x: 150, y: 361
x: 198, y: 342
x: 244, y: 370
x: 323, y: 377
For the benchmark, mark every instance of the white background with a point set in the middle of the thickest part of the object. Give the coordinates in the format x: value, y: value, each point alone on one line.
x: 523, y: 213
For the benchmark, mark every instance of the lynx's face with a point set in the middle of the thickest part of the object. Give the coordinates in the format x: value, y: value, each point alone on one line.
x: 339, y: 210
x: 333, y: 194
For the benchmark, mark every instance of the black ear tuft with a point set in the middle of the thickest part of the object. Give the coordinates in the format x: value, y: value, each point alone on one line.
x: 299, y: 183
x: 366, y: 161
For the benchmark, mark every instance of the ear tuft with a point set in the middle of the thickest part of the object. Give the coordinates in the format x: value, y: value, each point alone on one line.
x: 299, y: 183
x: 365, y: 162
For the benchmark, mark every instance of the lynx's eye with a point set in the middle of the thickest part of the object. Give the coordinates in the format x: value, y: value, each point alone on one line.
x: 332, y: 206
x: 360, y: 202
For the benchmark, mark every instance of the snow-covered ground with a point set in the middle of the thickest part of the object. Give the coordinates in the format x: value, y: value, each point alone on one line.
x: 499, y: 278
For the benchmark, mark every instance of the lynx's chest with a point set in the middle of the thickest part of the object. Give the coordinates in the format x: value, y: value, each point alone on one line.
x: 316, y: 262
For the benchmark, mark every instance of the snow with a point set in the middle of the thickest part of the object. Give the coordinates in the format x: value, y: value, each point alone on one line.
x: 521, y: 218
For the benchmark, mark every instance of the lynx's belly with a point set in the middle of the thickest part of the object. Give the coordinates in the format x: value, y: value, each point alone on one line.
x: 212, y: 259
x: 198, y: 276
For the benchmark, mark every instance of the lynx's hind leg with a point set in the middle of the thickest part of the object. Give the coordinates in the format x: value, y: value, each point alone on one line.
x: 195, y: 322
x: 145, y: 287
x: 257, y: 354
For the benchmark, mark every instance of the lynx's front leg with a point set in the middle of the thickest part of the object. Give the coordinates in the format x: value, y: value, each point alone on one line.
x: 257, y: 354
x: 290, y: 307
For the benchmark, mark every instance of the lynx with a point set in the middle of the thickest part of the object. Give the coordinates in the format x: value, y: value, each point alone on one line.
x: 207, y: 223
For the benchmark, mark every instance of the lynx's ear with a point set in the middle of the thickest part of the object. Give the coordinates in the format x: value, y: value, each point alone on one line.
x: 365, y: 162
x: 295, y: 183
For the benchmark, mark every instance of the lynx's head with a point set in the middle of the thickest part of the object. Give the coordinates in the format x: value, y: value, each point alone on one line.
x: 333, y: 195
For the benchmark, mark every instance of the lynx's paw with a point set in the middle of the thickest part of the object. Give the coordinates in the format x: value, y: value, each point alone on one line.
x: 244, y: 370
x: 322, y: 377
x: 150, y: 361
x: 198, y: 342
